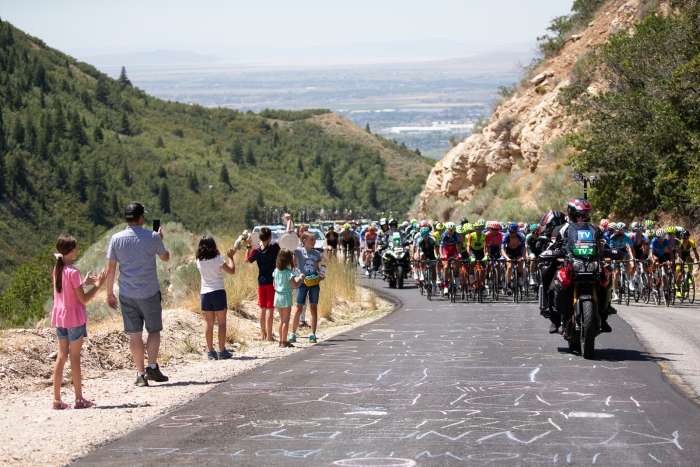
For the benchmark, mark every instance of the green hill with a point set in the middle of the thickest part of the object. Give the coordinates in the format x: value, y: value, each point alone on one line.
x: 76, y: 146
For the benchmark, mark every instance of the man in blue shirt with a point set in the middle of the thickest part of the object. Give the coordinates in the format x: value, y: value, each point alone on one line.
x: 135, y: 249
x: 660, y: 252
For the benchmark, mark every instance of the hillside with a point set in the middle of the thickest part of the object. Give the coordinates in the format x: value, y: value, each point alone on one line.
x: 76, y: 146
x: 531, y: 121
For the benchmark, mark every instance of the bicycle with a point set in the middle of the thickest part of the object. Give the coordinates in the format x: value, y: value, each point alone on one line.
x: 426, y: 273
x: 687, y: 283
x: 451, y: 283
x: 515, y: 283
x: 492, y: 278
x: 478, y: 282
x: 464, y: 283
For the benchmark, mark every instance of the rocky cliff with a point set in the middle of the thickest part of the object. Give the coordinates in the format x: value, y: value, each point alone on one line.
x: 521, y: 126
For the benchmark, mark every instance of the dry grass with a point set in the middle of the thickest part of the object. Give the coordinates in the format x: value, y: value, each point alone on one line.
x: 340, y: 282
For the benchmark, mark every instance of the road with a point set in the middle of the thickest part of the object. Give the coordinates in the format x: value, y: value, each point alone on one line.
x: 433, y: 383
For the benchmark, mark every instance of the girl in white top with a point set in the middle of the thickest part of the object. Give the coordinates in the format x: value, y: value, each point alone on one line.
x: 213, y: 295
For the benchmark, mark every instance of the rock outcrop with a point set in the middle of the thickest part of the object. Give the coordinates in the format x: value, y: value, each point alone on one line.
x: 521, y: 126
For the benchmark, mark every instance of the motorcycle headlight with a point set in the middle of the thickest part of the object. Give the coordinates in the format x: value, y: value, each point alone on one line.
x: 578, y: 266
x: 592, y: 267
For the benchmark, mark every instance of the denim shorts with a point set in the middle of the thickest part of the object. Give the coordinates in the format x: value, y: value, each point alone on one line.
x: 313, y: 293
x: 72, y: 334
x: 213, y: 301
x: 136, y: 312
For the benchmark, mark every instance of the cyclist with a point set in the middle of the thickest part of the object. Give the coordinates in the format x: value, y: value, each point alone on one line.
x: 349, y: 242
x: 331, y: 241
x: 649, y: 224
x: 687, y: 245
x: 370, y: 246
x: 534, y: 250
x: 512, y: 249
x: 639, y: 243
x: 660, y: 253
x: 463, y: 221
x: 476, y: 243
x: 428, y: 248
x: 494, y: 237
x: 449, y: 248
x: 619, y: 239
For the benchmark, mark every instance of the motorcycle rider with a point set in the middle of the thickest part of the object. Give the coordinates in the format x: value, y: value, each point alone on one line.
x: 579, y: 211
x: 548, y: 229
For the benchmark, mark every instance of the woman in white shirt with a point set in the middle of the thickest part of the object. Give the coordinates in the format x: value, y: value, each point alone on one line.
x: 212, y: 298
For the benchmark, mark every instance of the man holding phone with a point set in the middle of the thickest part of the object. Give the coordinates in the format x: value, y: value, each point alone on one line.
x: 135, y: 250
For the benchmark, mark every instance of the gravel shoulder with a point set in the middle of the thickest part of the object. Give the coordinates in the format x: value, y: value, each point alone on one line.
x: 672, y: 338
x: 33, y: 434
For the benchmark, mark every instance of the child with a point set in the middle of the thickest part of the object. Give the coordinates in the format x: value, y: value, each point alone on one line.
x: 213, y: 296
x: 308, y: 261
x: 70, y: 317
x: 266, y: 257
x: 284, y: 281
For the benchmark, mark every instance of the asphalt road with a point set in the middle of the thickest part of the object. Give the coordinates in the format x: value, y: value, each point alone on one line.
x: 433, y: 383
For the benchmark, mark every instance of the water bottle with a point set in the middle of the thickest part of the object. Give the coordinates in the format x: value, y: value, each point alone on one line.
x: 323, y: 270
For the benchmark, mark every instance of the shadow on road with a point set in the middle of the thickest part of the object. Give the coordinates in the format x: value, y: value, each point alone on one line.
x: 122, y: 406
x: 623, y: 355
x: 193, y: 383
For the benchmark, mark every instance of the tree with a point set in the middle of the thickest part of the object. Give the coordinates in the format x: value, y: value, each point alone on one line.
x: 2, y: 174
x: 223, y: 175
x: 124, y: 127
x: 161, y: 172
x: 164, y: 198
x: 192, y: 182
x: 123, y: 79
x: 3, y: 142
x: 250, y: 155
x: 97, y: 134
x: 237, y: 152
x: 18, y: 131
x: 102, y: 91
x: 327, y: 179
x: 300, y: 165
x: 77, y: 133
x: 160, y: 143
x: 40, y: 78
x: 78, y: 183
x: 372, y: 195
x: 367, y: 129
x: 59, y: 121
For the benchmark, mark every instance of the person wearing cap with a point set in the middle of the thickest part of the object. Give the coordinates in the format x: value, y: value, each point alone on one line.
x: 135, y: 250
x: 243, y: 241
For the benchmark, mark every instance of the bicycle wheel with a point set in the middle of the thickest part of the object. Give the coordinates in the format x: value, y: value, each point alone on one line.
x: 637, y: 294
x: 691, y: 289
x: 494, y: 284
x: 626, y: 289
x: 514, y: 284
x: 478, y: 289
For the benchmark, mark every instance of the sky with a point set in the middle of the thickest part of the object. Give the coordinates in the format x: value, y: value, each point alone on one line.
x: 92, y: 27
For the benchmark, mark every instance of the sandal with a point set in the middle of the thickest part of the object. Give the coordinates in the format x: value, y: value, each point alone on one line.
x: 83, y: 404
x: 58, y: 405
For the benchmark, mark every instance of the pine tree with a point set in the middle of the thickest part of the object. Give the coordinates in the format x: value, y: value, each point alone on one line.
x: 95, y: 198
x: 164, y: 198
x: 237, y: 152
x: 115, y: 204
x: 300, y: 165
x: 161, y: 172
x: 97, y: 134
x: 3, y: 142
x: 223, y: 175
x: 192, y: 182
x: 250, y: 156
x: 40, y: 78
x: 59, y: 121
x: 126, y: 175
x: 372, y: 195
x: 367, y: 128
x: 77, y: 133
x: 102, y: 91
x: 124, y: 127
x: 78, y: 183
x: 123, y: 79
x: 327, y: 179
x: 159, y: 143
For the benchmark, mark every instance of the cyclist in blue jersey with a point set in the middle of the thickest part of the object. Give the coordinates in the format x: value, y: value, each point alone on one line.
x: 620, y: 240
x: 513, y: 249
x: 660, y: 253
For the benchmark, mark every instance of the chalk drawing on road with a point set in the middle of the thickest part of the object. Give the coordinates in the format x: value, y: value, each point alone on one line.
x: 376, y: 462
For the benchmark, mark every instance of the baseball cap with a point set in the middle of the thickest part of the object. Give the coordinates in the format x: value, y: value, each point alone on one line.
x: 245, y: 232
x: 134, y: 210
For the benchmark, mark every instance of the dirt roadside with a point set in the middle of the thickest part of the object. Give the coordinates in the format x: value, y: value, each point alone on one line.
x: 33, y: 434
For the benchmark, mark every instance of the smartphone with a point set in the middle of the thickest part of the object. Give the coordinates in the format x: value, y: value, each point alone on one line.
x: 156, y: 225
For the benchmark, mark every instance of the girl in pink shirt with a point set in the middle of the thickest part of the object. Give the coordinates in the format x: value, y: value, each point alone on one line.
x: 70, y: 317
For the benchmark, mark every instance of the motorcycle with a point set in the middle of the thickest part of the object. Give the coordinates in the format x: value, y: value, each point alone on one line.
x: 581, y: 285
x: 396, y: 261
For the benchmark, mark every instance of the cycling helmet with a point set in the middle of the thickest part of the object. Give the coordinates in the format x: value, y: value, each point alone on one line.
x: 423, y: 224
x: 621, y: 226
x: 463, y: 220
x: 439, y: 226
x: 649, y: 223
x: 424, y: 231
x: 686, y: 234
x: 513, y: 226
x: 483, y: 221
x: 370, y: 228
x: 414, y: 220
x: 604, y: 223
x: 680, y: 230
x: 671, y: 230
x: 521, y: 224
x: 346, y: 227
x: 636, y: 226
x: 533, y: 228
x: 393, y: 221
x: 650, y: 234
x: 459, y: 230
x: 579, y: 208
x: 503, y: 225
x: 550, y: 220
x: 661, y: 233
x: 415, y: 225
x: 493, y: 225
x: 450, y: 226
x: 404, y: 224
x: 468, y: 227
x: 479, y: 225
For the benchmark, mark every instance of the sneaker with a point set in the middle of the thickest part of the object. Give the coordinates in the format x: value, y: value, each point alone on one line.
x: 292, y: 338
x: 605, y: 327
x: 154, y: 374
x: 224, y: 355
x: 141, y: 381
x: 211, y: 355
x: 446, y: 291
x: 312, y: 339
x: 678, y: 293
x: 614, y: 296
x: 367, y: 272
x: 532, y: 281
x: 553, y: 328
x: 631, y: 286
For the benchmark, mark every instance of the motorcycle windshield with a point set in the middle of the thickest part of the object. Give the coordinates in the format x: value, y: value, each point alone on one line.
x: 582, y: 239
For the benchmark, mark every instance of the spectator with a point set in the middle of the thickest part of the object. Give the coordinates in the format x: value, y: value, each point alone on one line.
x: 135, y: 250
x: 266, y: 257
